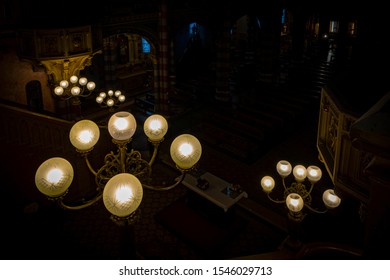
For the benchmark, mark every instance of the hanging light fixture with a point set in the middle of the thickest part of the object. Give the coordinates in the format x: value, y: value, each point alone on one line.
x: 296, y: 196
x: 111, y: 99
x: 124, y: 175
x: 74, y: 87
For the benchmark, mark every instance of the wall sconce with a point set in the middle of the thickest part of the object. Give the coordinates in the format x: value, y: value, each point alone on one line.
x: 124, y: 175
x: 297, y: 196
x: 110, y: 99
x: 75, y: 87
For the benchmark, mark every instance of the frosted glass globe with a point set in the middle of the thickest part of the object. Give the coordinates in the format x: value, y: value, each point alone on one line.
x: 84, y: 135
x: 122, y: 194
x: 284, y: 168
x: 267, y: 183
x: 186, y: 151
x: 294, y: 202
x: 122, y: 125
x: 299, y: 172
x: 314, y: 173
x: 155, y: 127
x: 330, y: 199
x: 54, y: 176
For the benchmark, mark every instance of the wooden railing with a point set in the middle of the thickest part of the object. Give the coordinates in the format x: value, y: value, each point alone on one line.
x: 27, y: 139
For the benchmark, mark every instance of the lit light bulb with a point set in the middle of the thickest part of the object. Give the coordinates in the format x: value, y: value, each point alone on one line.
x: 85, y: 136
x: 267, y: 183
x: 54, y: 175
x: 121, y: 123
x: 186, y: 149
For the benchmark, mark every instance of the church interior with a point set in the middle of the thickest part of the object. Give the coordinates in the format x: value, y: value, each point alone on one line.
x: 260, y: 89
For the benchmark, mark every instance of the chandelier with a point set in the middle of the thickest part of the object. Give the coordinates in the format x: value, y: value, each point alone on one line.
x: 74, y: 88
x: 296, y: 196
x: 111, y: 99
x: 124, y: 175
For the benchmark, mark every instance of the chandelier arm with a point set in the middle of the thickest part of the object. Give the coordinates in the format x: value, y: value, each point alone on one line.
x: 155, y: 151
x: 275, y: 200
x: 165, y: 188
x: 81, y: 206
x: 315, y: 210
x: 284, y: 184
x: 91, y: 169
x: 309, y: 191
x: 65, y: 98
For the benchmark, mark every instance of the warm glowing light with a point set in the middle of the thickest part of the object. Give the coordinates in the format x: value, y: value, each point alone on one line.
x: 330, y: 199
x: 85, y: 136
x: 155, y: 125
x: 186, y: 149
x: 64, y: 83
x: 294, y: 202
x: 121, y: 98
x: 299, y: 172
x: 123, y: 194
x: 73, y: 79
x: 54, y: 175
x: 83, y: 81
x: 314, y: 173
x: 267, y: 183
x: 99, y: 99
x: 110, y: 102
x: 59, y: 90
x: 121, y: 123
x: 75, y: 90
x: 110, y: 92
x: 91, y: 86
x: 284, y: 168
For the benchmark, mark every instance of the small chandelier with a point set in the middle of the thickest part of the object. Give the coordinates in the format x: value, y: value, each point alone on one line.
x: 110, y: 99
x: 75, y: 87
x: 124, y: 175
x: 297, y: 195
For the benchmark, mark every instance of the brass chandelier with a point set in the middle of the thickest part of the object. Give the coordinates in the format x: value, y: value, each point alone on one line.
x: 296, y: 196
x: 74, y: 87
x: 120, y: 181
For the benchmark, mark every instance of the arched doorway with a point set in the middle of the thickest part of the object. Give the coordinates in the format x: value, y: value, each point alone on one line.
x: 34, y: 96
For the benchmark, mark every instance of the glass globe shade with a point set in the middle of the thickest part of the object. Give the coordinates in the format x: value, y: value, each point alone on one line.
x: 84, y: 135
x: 99, y: 99
x: 118, y: 93
x: 314, y: 173
x: 330, y: 199
x: 110, y: 92
x: 185, y: 151
x: 121, y: 98
x: 75, y: 91
x: 59, y: 90
x: 102, y: 94
x: 294, y: 202
x: 91, y: 86
x: 83, y: 81
x: 155, y: 127
x: 122, y: 194
x: 284, y: 168
x: 267, y: 183
x: 64, y: 83
x: 110, y: 102
x: 300, y: 173
x: 122, y: 125
x: 54, y: 176
x: 73, y: 79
